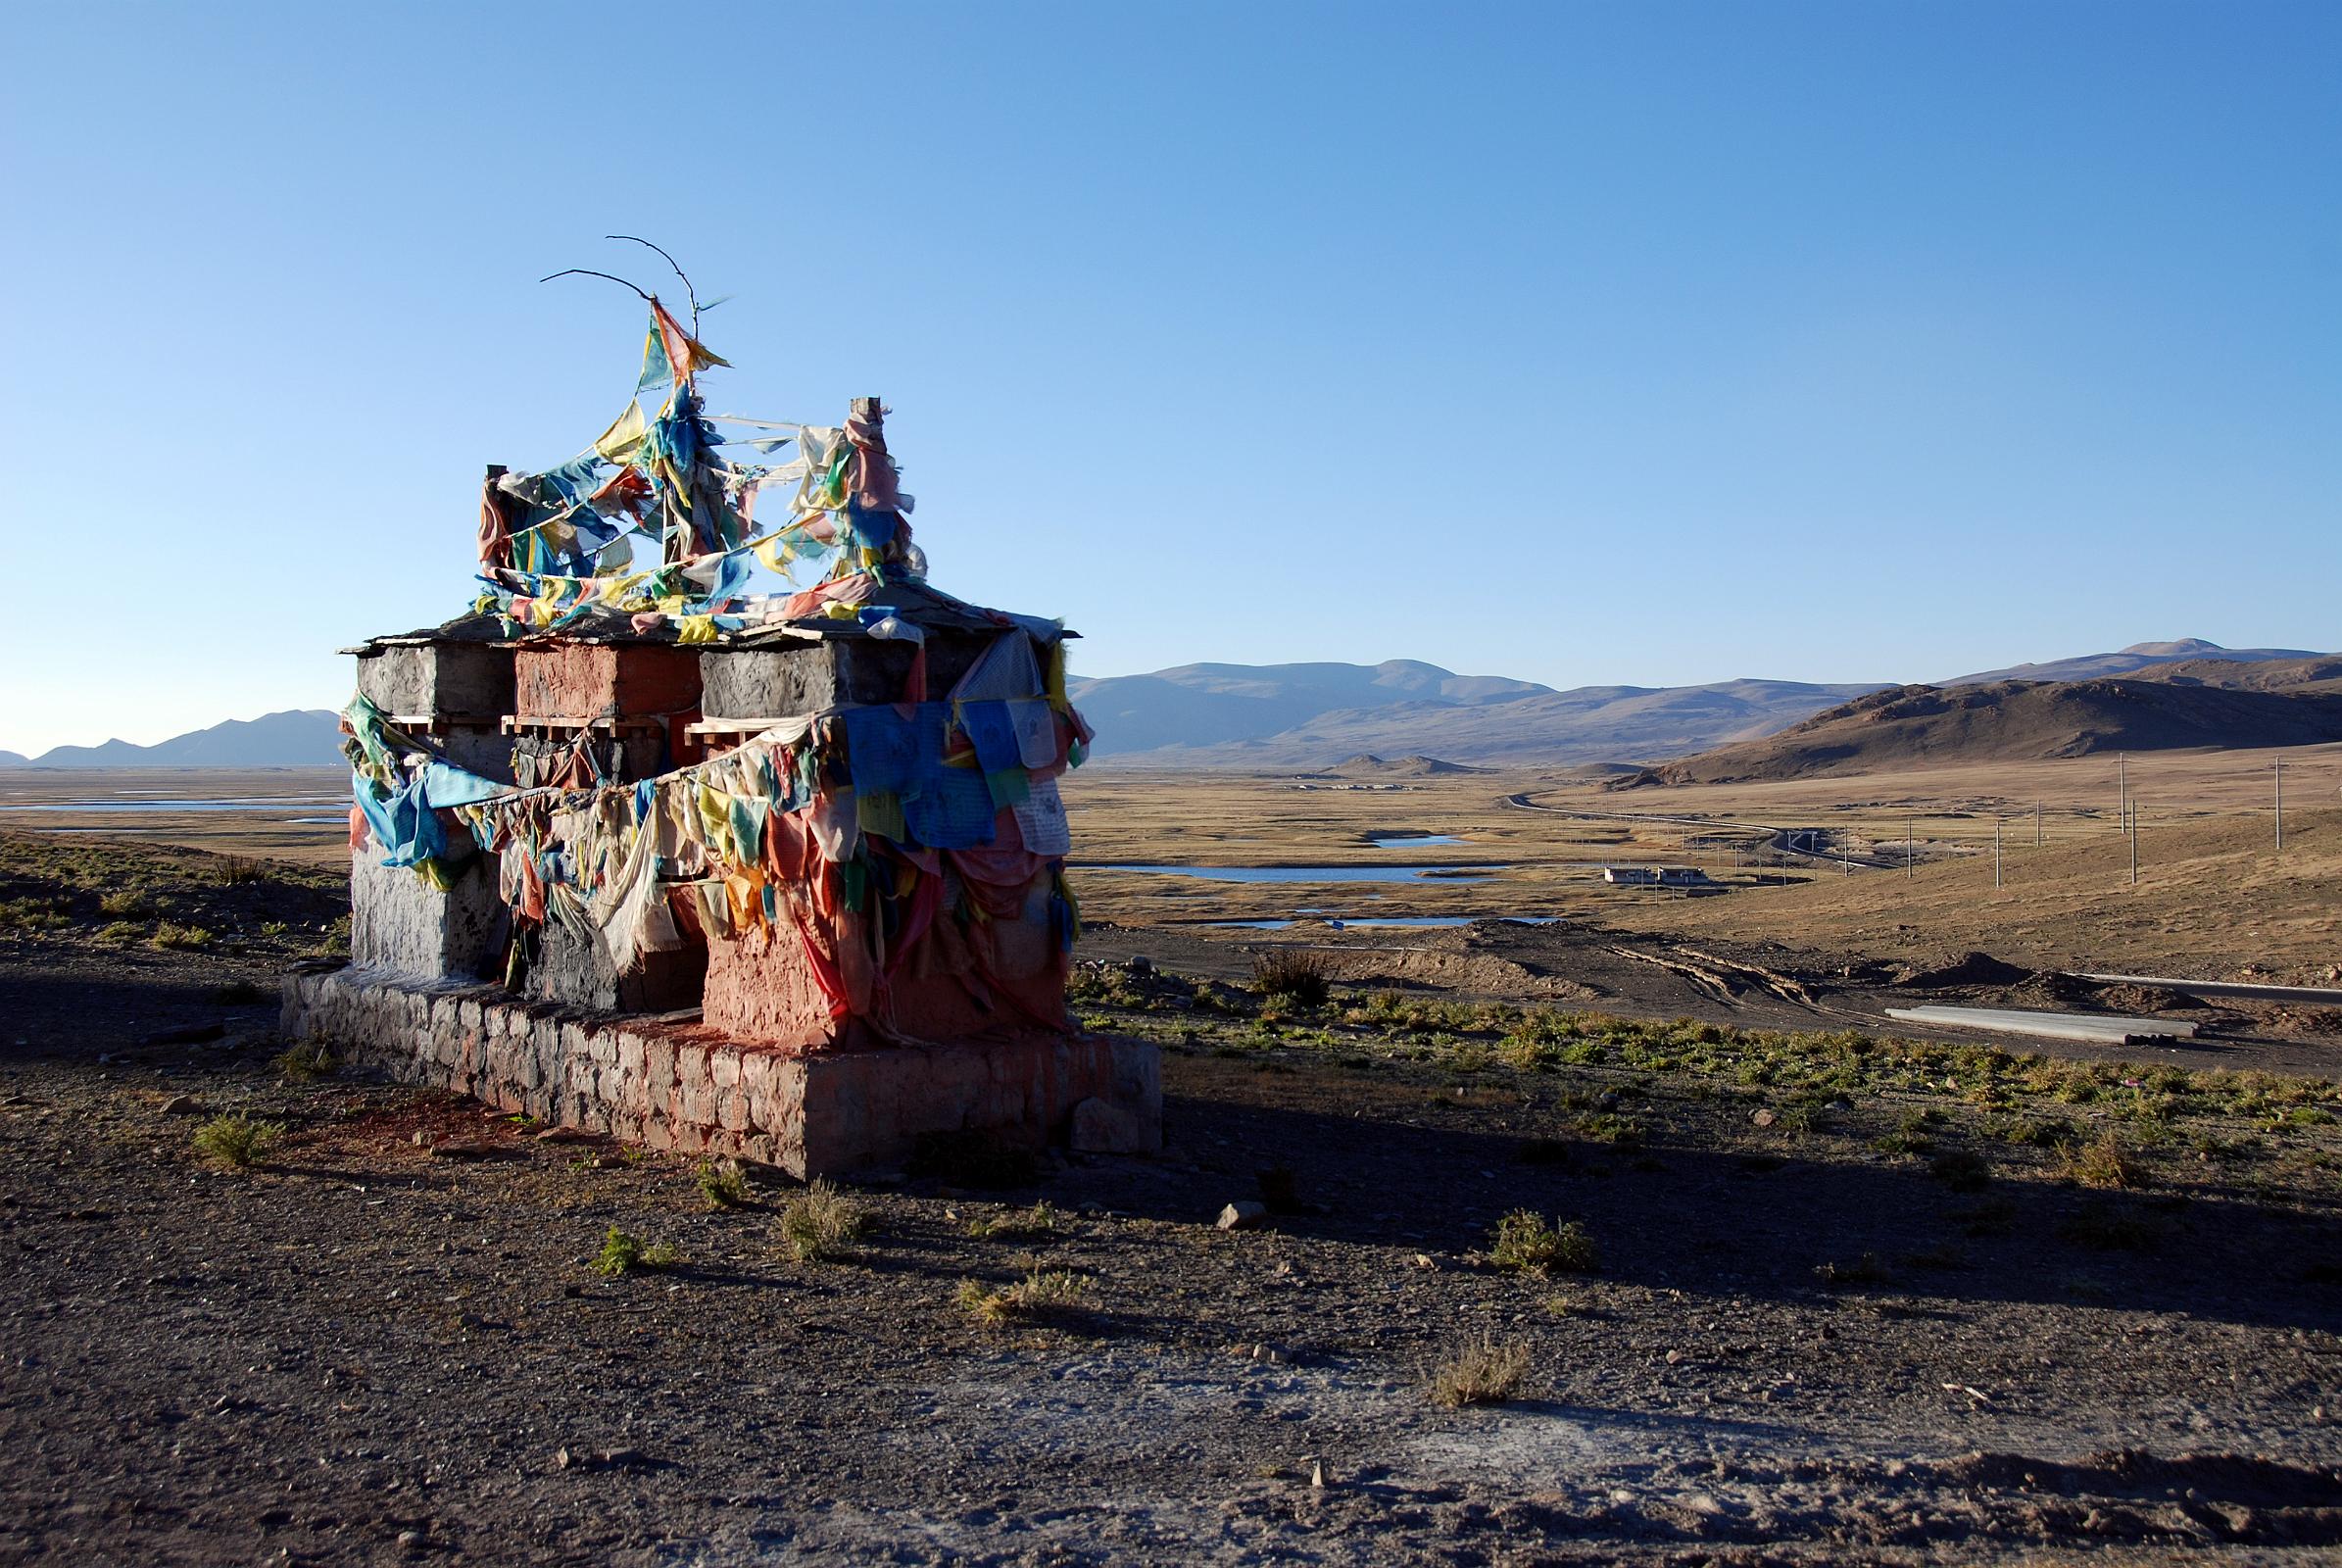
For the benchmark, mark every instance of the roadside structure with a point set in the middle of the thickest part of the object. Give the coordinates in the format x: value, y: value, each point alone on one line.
x: 640, y: 850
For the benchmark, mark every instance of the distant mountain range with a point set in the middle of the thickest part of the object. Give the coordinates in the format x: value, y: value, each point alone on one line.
x: 1304, y: 716
x: 2182, y: 703
x: 1301, y: 718
x: 2137, y: 656
x: 301, y: 737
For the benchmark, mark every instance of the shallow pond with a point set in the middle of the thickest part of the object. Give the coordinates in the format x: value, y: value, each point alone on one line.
x: 276, y: 802
x: 1307, y: 873
x: 1418, y: 921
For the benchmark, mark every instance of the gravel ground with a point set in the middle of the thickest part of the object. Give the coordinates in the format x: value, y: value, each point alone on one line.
x: 385, y: 1342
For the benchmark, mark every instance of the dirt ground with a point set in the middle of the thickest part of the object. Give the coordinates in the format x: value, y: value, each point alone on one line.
x: 1849, y: 1299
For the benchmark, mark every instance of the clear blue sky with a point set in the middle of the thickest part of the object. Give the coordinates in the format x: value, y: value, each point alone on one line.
x: 1624, y: 343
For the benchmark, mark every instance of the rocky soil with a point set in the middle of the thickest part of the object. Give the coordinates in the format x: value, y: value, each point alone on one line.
x: 1903, y: 1324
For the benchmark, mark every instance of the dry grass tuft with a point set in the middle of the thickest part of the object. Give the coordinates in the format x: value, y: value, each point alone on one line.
x: 1292, y: 976
x: 2103, y: 1162
x: 1480, y: 1369
x: 1040, y: 1294
x: 1044, y: 1221
x: 821, y: 1224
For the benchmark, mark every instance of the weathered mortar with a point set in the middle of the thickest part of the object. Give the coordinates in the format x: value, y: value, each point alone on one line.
x: 697, y: 1090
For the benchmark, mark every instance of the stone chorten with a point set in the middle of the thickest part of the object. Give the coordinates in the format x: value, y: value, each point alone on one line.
x: 639, y: 851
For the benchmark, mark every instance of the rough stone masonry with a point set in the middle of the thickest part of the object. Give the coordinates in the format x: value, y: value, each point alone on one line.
x: 849, y: 931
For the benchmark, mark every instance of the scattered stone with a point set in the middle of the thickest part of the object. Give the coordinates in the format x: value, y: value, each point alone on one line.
x: 563, y: 1460
x: 1764, y: 1118
x: 1243, y: 1215
x: 568, y: 1135
x: 1607, y: 1099
x: 1839, y: 1107
x: 181, y: 1106
x: 410, y: 1540
x: 1142, y: 964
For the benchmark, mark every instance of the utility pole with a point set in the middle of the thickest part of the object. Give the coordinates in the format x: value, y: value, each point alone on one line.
x: 2135, y: 847
x: 2036, y: 824
x: 1907, y: 848
x: 2280, y: 769
x: 2123, y: 783
x: 1996, y: 854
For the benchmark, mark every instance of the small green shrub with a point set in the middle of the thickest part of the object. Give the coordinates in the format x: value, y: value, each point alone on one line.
x: 623, y: 1253
x: 239, y: 1140
x: 171, y: 934
x: 722, y: 1182
x: 820, y: 1223
x: 233, y: 871
x: 1524, y: 1242
x: 307, y: 1061
x: 129, y: 903
x: 32, y: 914
x: 1606, y: 1127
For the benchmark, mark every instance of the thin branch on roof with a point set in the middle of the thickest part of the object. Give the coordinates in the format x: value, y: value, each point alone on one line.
x: 586, y: 271
x: 691, y: 293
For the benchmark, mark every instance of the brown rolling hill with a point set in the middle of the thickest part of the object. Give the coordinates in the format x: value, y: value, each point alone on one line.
x: 2317, y: 672
x: 1934, y: 727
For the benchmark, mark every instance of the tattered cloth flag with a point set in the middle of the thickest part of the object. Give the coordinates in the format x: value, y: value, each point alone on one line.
x: 670, y: 354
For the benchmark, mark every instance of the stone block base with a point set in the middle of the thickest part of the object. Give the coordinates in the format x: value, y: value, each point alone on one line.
x: 696, y: 1088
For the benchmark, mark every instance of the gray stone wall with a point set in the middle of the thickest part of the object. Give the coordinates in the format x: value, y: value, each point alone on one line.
x: 445, y: 681
x: 399, y: 922
x: 697, y: 1090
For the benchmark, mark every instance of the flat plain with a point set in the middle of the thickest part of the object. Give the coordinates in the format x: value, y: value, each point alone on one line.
x: 1801, y: 1285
